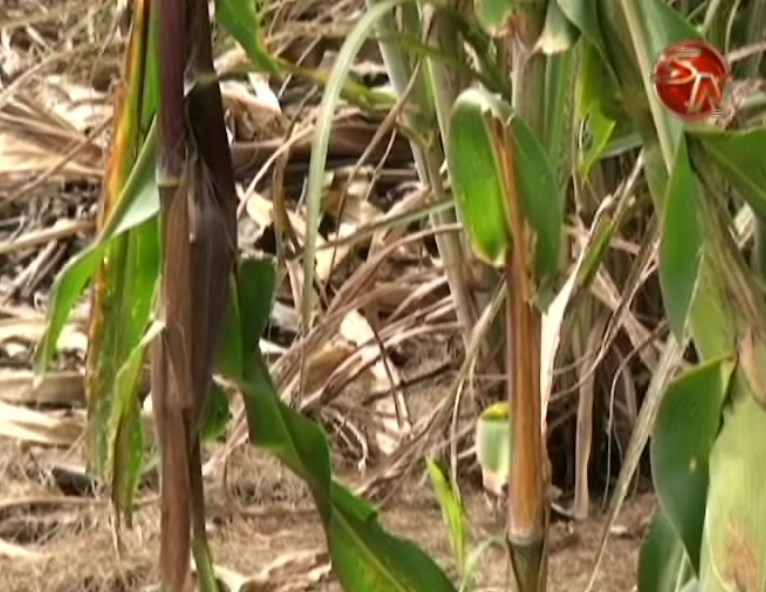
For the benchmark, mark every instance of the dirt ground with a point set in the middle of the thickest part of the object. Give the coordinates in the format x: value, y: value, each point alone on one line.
x: 261, y: 527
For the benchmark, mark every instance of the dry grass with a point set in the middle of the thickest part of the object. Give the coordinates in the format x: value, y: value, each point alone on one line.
x: 262, y: 528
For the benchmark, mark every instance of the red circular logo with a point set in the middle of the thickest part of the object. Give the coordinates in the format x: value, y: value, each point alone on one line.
x: 689, y: 78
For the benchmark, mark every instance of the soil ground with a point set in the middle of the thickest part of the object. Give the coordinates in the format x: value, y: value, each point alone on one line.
x: 262, y: 527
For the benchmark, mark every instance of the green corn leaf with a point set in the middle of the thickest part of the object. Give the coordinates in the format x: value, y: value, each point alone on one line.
x: 364, y: 557
x: 633, y: 46
x: 215, y: 414
x: 604, y: 25
x: 598, y: 104
x: 621, y: 141
x: 477, y: 177
x: 293, y: 438
x: 123, y: 313
x: 734, y: 544
x: 138, y: 202
x: 127, y: 468
x: 482, y: 126
x: 558, y: 34
x: 125, y: 282
x: 559, y: 102
x: 687, y: 424
x: 601, y: 130
x: 231, y: 361
x: 541, y: 198
x: 242, y: 21
x: 738, y: 156
x: 493, y: 15
x: 256, y: 286
x: 452, y: 512
x: 584, y: 15
x: 596, y: 88
x: 660, y: 25
x: 681, y: 242
x: 662, y: 562
x: 123, y: 433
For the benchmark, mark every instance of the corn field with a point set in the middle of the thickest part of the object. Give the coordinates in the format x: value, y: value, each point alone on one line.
x: 481, y: 258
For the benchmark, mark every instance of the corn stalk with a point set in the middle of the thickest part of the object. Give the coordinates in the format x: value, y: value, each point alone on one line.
x: 181, y: 177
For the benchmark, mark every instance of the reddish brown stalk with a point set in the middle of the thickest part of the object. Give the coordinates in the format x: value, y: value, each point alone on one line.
x: 527, y: 505
x: 199, y: 237
x: 173, y: 47
x: 172, y: 388
x: 526, y: 492
x: 173, y: 394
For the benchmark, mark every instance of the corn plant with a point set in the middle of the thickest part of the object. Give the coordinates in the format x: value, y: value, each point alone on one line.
x: 512, y: 215
x: 506, y: 189
x: 166, y: 278
x: 467, y: 557
x: 710, y: 294
x: 499, y: 91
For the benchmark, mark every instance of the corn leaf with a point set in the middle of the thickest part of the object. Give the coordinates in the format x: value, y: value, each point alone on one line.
x: 687, y: 423
x: 477, y: 177
x: 493, y: 15
x: 364, y: 557
x: 559, y: 103
x: 681, y: 243
x: 452, y: 512
x: 558, y: 34
x: 604, y: 25
x: 738, y: 155
x: 231, y: 360
x: 124, y: 284
x: 122, y: 430
x: 734, y: 545
x: 215, y: 414
x: 584, y: 15
x: 662, y: 562
x: 596, y: 96
x: 242, y: 21
x: 540, y: 196
x: 120, y: 316
x: 293, y: 438
x: 139, y: 202
x: 474, y: 154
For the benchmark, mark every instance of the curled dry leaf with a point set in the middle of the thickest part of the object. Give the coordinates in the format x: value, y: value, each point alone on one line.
x: 233, y: 581
x: 27, y: 425
x: 56, y: 388
x: 254, y: 111
x: 13, y: 551
x: 354, y: 213
x: 75, y: 105
x: 295, y: 570
x: 392, y: 419
x: 34, y: 138
x: 30, y: 330
x: 323, y: 362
